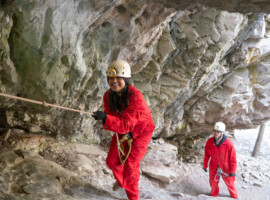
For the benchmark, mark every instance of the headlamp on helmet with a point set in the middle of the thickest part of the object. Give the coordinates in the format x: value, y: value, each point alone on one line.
x: 111, y: 72
x: 119, y: 68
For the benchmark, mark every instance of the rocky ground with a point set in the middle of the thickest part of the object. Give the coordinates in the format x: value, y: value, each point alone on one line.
x: 37, y: 167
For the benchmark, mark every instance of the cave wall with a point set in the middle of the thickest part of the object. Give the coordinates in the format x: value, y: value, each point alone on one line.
x: 195, y: 64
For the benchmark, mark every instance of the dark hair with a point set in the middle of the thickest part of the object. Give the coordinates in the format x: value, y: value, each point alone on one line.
x: 119, y: 100
x: 3, y: 2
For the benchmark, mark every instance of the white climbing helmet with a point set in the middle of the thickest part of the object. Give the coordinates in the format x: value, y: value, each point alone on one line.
x: 220, y: 126
x: 119, y: 68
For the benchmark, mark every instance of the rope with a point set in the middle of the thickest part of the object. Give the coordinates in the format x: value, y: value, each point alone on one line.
x: 119, y: 149
x: 219, y: 174
x: 130, y: 146
x: 44, y: 103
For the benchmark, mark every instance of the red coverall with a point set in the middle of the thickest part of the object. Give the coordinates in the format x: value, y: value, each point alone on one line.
x: 137, y: 119
x: 223, y: 157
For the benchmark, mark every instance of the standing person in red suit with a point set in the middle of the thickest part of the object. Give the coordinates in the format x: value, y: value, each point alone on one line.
x: 127, y: 114
x: 223, y: 160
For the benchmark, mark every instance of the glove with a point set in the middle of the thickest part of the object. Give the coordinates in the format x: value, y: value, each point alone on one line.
x: 230, y: 175
x: 205, y: 169
x: 99, y: 115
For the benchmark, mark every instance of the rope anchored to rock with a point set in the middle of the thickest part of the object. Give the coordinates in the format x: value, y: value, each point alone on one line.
x: 44, y: 103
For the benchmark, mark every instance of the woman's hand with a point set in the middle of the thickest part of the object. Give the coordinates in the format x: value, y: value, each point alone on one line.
x: 99, y: 115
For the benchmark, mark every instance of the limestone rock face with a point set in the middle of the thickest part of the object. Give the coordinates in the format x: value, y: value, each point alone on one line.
x: 37, y: 178
x: 195, y: 64
x: 242, y: 6
x: 157, y: 161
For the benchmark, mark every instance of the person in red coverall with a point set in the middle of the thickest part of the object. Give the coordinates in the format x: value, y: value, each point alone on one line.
x: 223, y: 160
x: 127, y: 114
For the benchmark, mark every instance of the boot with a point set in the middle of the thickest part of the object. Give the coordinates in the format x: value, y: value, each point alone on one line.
x: 115, y: 186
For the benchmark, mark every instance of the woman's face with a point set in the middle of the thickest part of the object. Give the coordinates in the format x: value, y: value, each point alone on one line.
x: 116, y: 83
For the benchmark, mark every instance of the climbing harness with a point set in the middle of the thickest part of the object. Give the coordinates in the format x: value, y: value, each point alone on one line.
x: 219, y: 174
x: 44, y: 103
x: 120, y: 147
